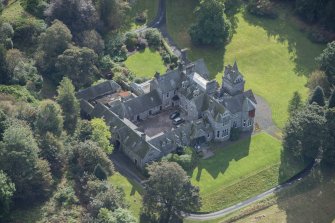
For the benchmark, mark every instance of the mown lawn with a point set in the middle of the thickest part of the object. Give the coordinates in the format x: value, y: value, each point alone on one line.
x: 132, y: 192
x: 146, y: 63
x: 242, y: 170
x: 138, y: 6
x: 274, y: 56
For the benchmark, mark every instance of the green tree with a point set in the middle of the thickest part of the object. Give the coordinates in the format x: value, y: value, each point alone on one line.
x: 85, y: 156
x: 304, y: 132
x: 34, y: 7
x: 70, y: 106
x: 99, y: 172
x: 4, y: 74
x: 331, y: 102
x: 154, y: 37
x: 317, y: 96
x: 6, y: 193
x: 49, y: 118
x: 327, y: 59
x: 119, y: 215
x: 78, y: 15
x: 19, y: 159
x: 295, y: 103
x: 101, y: 134
x: 84, y: 130
x: 131, y: 39
x: 329, y: 139
x: 319, y: 78
x: 79, y: 64
x: 169, y: 192
x: 211, y: 26
x: 113, y: 13
x: 92, y: 39
x: 60, y: 36
x: 3, y: 118
x: 52, y: 150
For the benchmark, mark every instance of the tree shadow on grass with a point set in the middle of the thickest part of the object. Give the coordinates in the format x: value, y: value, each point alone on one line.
x: 302, y: 50
x: 311, y: 199
x: 224, y: 154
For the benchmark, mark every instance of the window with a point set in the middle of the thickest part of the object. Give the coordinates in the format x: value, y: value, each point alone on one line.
x: 244, y: 123
x: 218, y: 134
x: 234, y: 124
x: 249, y: 122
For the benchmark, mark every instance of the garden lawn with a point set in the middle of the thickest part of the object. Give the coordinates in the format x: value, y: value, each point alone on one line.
x: 274, y: 55
x: 146, y: 63
x: 242, y: 170
x: 151, y: 6
x: 132, y: 192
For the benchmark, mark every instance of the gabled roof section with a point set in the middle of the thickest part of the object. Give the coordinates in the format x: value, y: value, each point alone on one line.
x: 143, y: 103
x: 107, y: 87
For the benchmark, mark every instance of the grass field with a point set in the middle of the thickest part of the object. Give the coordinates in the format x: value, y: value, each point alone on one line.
x: 151, y: 6
x: 274, y: 56
x: 132, y: 192
x: 242, y: 170
x: 309, y: 200
x: 146, y: 63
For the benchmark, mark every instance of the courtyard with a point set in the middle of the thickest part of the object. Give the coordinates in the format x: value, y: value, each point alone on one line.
x: 158, y: 123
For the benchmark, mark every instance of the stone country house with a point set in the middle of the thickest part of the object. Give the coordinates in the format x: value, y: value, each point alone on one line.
x: 139, y: 116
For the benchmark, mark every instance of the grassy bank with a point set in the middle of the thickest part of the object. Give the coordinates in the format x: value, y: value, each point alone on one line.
x: 242, y: 170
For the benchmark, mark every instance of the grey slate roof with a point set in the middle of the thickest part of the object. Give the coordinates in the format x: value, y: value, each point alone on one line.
x: 107, y: 87
x: 235, y: 103
x: 201, y: 68
x: 169, y: 81
x: 143, y: 103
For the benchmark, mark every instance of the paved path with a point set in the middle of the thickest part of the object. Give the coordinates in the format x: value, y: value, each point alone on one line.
x: 263, y: 118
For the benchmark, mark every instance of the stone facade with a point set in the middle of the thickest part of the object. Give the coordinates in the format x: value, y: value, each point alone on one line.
x: 210, y: 111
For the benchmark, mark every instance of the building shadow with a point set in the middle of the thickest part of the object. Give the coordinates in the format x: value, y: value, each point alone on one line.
x: 281, y: 29
x: 224, y: 153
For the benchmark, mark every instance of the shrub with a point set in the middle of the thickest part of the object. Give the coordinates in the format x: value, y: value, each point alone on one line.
x: 131, y: 39
x: 115, y: 47
x: 262, y: 8
x: 142, y: 17
x: 142, y: 44
x: 153, y: 37
x: 66, y: 196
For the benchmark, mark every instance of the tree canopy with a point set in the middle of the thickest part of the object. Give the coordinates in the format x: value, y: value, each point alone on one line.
x: 169, y: 192
x: 49, y: 118
x: 19, y: 159
x: 211, y: 26
x: 101, y: 134
x: 66, y: 98
x: 79, y: 64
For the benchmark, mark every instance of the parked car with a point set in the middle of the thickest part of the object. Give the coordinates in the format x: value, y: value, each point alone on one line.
x: 178, y: 121
x: 174, y: 115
